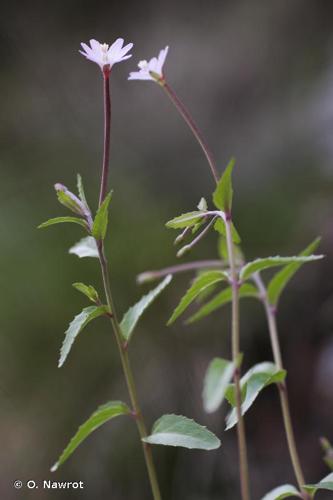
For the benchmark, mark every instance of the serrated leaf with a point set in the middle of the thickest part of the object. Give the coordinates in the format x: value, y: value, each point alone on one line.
x: 132, y: 316
x: 80, y: 189
x: 60, y: 220
x: 176, y: 430
x: 102, y: 415
x: 221, y: 299
x: 186, y: 220
x: 254, y: 381
x: 86, y: 247
x: 87, y: 290
x: 199, y: 285
x: 282, y: 278
x: 75, y: 327
x: 222, y: 196
x: 269, y: 262
x: 219, y: 226
x: 285, y: 491
x: 100, y: 223
x: 324, y: 484
x: 218, y: 375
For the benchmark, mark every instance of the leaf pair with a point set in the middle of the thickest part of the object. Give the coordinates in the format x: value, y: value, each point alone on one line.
x: 169, y: 430
x: 287, y: 490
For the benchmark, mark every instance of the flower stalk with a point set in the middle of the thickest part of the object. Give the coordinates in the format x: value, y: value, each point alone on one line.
x: 122, y: 346
x: 282, y: 386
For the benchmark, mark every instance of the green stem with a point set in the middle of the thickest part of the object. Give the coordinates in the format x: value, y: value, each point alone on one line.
x: 122, y: 348
x: 242, y: 447
x: 282, y: 387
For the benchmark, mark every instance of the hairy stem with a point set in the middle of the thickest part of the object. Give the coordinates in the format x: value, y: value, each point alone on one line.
x: 242, y: 447
x: 190, y: 122
x: 282, y: 387
x: 122, y: 348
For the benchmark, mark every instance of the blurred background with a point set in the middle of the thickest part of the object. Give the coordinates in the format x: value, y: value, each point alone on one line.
x: 258, y: 77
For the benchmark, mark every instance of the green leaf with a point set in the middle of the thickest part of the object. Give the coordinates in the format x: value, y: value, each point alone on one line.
x: 221, y: 299
x: 80, y: 189
x: 285, y: 491
x: 59, y: 220
x: 218, y: 375
x: 219, y: 226
x: 87, y: 290
x: 186, y: 220
x: 102, y: 415
x: 75, y: 327
x: 328, y: 449
x: 268, y: 262
x: 101, y: 220
x: 324, y: 484
x: 282, y: 278
x: 176, y: 430
x: 86, y: 247
x: 254, y: 381
x: 222, y: 197
x: 200, y: 283
x: 135, y: 312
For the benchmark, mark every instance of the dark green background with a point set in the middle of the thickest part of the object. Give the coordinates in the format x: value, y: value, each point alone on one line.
x: 258, y: 77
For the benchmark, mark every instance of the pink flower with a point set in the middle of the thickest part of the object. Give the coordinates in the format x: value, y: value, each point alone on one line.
x: 151, y: 70
x: 104, y: 55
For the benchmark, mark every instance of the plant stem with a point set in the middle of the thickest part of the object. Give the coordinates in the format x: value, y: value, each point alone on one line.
x: 180, y: 268
x: 107, y: 130
x: 242, y: 447
x: 122, y: 347
x: 282, y: 387
x: 190, y: 122
x: 129, y: 378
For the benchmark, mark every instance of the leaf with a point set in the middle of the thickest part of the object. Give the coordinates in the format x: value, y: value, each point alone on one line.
x: 218, y: 375
x: 324, y: 484
x: 102, y: 415
x: 222, y: 196
x: 132, y: 316
x: 221, y: 299
x: 256, y: 379
x: 59, y: 220
x: 282, y: 278
x: 86, y: 247
x: 219, y: 226
x: 200, y: 283
x: 176, y: 430
x: 101, y: 220
x: 268, y: 262
x: 87, y: 290
x: 285, y: 491
x: 80, y: 189
x: 75, y: 327
x: 328, y: 450
x: 186, y: 220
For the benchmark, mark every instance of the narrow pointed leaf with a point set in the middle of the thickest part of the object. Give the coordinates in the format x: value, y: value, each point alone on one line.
x: 87, y: 290
x: 221, y: 299
x: 282, y: 278
x: 176, y: 430
x: 324, y: 484
x: 253, y: 382
x: 219, y: 226
x: 101, y: 220
x: 133, y: 315
x: 102, y: 415
x: 268, y: 262
x: 218, y: 375
x: 285, y: 491
x: 186, y: 220
x: 59, y: 220
x: 86, y: 247
x: 202, y: 282
x: 75, y: 327
x: 222, y: 197
x: 328, y: 450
